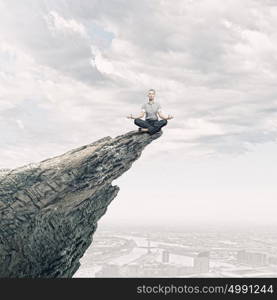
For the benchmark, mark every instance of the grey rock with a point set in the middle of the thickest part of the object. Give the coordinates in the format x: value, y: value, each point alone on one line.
x: 49, y: 210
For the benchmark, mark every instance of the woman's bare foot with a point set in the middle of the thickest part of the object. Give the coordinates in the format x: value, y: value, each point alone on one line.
x: 143, y: 129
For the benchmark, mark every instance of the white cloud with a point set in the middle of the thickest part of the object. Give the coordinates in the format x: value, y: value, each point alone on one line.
x: 89, y: 64
x: 58, y: 23
x: 20, y: 124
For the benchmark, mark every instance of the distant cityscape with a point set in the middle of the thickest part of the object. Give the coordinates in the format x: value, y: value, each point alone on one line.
x: 154, y: 252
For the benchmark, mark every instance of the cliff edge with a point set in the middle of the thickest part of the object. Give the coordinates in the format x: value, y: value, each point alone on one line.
x: 49, y: 210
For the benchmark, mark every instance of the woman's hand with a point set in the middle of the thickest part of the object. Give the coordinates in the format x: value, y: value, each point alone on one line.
x: 130, y: 116
x: 169, y: 117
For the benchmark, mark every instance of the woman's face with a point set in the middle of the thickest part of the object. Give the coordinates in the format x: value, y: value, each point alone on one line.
x: 151, y: 95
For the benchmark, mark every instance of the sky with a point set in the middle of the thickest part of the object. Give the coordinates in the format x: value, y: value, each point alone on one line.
x: 71, y: 71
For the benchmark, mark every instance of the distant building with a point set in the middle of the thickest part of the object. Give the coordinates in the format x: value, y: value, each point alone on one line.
x: 254, y: 259
x: 165, y: 256
x: 155, y: 269
x: 201, y: 262
x: 131, y: 270
x: 109, y: 270
x: 164, y: 264
x: 272, y: 260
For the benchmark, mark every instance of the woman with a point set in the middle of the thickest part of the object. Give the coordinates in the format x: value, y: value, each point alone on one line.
x: 152, y: 110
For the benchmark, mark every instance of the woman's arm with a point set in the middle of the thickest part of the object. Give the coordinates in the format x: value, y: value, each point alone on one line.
x: 140, y: 116
x: 164, y: 117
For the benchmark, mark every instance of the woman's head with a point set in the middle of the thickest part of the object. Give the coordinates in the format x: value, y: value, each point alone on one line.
x: 151, y: 94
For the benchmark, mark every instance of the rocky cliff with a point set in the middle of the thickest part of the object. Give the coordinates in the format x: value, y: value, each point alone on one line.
x: 49, y: 210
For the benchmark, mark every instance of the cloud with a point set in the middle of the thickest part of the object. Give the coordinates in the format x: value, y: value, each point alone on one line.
x: 59, y: 24
x: 87, y: 64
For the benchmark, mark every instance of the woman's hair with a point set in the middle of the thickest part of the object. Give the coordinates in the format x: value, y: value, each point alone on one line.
x: 152, y: 90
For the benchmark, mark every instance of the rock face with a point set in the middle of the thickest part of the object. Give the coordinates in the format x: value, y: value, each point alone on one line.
x: 49, y: 210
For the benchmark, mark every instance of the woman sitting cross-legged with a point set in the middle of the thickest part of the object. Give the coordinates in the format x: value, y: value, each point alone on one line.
x: 152, y: 109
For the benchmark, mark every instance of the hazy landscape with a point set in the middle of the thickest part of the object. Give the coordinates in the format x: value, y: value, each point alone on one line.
x: 159, y: 251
